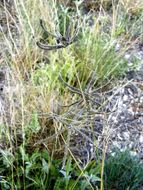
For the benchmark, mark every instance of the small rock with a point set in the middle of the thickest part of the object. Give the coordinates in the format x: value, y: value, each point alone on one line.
x: 133, y: 153
x: 125, y: 98
x: 126, y: 135
x: 141, y: 139
x: 127, y: 56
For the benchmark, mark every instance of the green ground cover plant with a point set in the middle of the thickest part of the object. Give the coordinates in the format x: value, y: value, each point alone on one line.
x: 39, y: 171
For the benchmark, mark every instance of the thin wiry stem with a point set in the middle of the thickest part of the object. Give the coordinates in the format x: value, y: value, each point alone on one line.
x: 77, y: 91
x: 63, y: 41
x: 72, y: 104
x: 49, y: 47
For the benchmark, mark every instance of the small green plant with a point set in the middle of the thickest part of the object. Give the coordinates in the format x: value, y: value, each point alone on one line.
x: 39, y: 171
x: 123, y: 172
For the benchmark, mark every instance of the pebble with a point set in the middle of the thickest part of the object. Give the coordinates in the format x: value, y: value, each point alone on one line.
x: 127, y: 56
x: 126, y: 135
x: 141, y: 139
x: 125, y: 98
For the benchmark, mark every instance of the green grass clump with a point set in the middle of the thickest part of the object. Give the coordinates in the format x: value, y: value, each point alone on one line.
x: 123, y: 172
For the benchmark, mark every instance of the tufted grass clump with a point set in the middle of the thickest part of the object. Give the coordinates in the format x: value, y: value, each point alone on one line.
x: 123, y: 171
